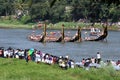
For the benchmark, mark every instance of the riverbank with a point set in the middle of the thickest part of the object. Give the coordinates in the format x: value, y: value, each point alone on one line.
x: 68, y: 25
x: 14, y: 26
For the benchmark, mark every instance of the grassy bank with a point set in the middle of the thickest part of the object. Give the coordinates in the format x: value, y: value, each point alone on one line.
x: 74, y: 25
x: 68, y: 25
x: 13, y: 24
x: 14, y: 69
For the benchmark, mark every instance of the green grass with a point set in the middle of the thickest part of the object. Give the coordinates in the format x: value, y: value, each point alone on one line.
x: 74, y: 25
x: 15, y: 69
x: 68, y: 25
x: 14, y: 24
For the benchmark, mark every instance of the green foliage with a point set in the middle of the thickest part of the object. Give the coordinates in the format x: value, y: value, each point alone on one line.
x: 25, y: 19
x: 62, y: 10
x: 66, y: 24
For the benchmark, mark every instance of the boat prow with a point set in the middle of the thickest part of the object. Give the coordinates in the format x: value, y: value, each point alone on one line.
x: 101, y: 37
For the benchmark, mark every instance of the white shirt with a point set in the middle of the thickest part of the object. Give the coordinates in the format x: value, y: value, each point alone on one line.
x: 98, y: 56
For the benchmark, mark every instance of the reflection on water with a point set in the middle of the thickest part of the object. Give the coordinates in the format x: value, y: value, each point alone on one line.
x: 17, y: 38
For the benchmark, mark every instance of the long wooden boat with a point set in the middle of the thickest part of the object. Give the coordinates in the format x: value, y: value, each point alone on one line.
x: 35, y: 37
x: 42, y: 38
x: 101, y: 37
x: 63, y: 38
x: 53, y: 38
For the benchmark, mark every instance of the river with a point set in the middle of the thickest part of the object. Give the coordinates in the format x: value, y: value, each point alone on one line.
x: 17, y: 38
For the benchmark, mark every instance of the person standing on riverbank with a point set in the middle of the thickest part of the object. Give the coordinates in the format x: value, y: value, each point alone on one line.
x: 98, y: 57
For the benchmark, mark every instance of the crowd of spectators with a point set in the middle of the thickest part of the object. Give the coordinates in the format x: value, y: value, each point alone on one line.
x: 63, y: 62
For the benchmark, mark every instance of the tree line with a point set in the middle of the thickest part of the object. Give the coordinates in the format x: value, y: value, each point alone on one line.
x: 61, y: 10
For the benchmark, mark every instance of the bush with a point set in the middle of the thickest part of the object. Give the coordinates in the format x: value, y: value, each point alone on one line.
x: 25, y: 19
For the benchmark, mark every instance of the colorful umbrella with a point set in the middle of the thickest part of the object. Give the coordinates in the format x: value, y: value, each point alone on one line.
x: 30, y: 52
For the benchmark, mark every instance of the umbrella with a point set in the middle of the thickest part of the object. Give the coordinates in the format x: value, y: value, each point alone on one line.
x: 30, y: 52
